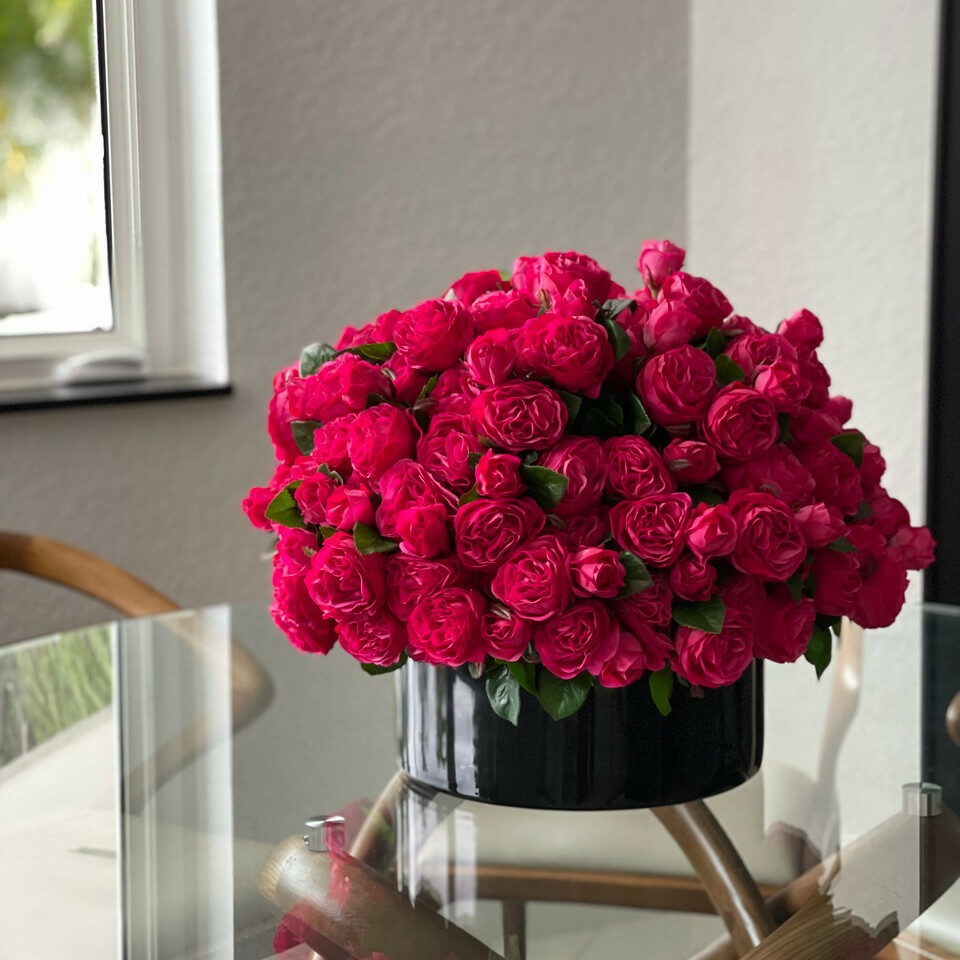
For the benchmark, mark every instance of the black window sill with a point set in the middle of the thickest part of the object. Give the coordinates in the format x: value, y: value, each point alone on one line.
x: 98, y: 394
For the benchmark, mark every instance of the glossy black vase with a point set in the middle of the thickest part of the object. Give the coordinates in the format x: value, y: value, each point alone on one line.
x: 617, y: 751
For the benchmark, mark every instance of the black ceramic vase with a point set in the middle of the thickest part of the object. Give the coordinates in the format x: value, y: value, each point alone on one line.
x: 616, y: 751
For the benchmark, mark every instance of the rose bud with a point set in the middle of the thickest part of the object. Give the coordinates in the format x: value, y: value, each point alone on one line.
x: 657, y: 260
x: 498, y: 475
x: 596, y: 572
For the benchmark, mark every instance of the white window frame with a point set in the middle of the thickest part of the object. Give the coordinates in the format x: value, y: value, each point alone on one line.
x: 162, y: 132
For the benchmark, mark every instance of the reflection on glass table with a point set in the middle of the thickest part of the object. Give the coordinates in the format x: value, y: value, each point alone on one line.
x: 106, y: 854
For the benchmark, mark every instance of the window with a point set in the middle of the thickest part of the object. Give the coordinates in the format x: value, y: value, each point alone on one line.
x: 127, y: 282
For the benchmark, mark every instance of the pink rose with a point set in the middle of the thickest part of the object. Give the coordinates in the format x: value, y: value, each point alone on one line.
x: 701, y: 298
x: 740, y: 423
x: 814, y: 371
x: 820, y: 524
x: 507, y: 310
x: 881, y: 594
x: 521, y: 415
x: 350, y: 504
x: 580, y: 460
x: 379, y: 639
x: 379, y: 437
x: 872, y: 468
x: 596, y: 572
x: 343, y: 582
x: 652, y: 527
x: 340, y: 386
x: 446, y: 447
x: 657, y: 260
x: 715, y: 659
x: 498, y: 475
x: 255, y: 506
x: 581, y: 638
x: 488, y: 530
x: 412, y: 579
x: 453, y: 392
x: 835, y: 475
x: 782, y: 384
x: 633, y: 657
x: 423, y: 530
x: 913, y: 547
x: 803, y: 330
x: 554, y: 273
x: 297, y: 616
x: 634, y: 468
x: 535, y: 579
x: 769, y: 543
x: 677, y: 386
x: 407, y: 484
x: 505, y: 638
x: 574, y: 352
x: 777, y: 471
x: 407, y: 382
x: 588, y: 529
x: 754, y: 350
x: 691, y: 461
x: 887, y: 514
x: 783, y: 627
x: 647, y: 609
x: 490, y: 359
x: 838, y: 580
x: 295, y: 550
x: 692, y: 578
x: 669, y: 325
x: 330, y: 444
x: 743, y: 592
x: 433, y: 335
x: 475, y: 284
x: 444, y: 628
x: 712, y: 531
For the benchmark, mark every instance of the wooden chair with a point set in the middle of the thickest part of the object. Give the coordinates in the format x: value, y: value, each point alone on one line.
x: 87, y: 573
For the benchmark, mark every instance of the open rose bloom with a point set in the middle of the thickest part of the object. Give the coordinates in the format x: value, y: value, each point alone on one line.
x: 563, y: 484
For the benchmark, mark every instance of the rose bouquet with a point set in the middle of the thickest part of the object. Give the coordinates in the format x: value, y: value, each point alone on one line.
x: 562, y: 484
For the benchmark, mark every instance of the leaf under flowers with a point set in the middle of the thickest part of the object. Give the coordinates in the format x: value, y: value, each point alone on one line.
x: 313, y: 357
x: 283, y: 508
x: 637, y: 576
x: 708, y: 615
x: 503, y: 692
x: 728, y: 371
x: 375, y: 670
x: 369, y: 541
x: 303, y: 434
x: 851, y: 443
x: 525, y: 674
x: 639, y: 418
x: 375, y: 352
x: 715, y: 343
x: 546, y: 486
x: 618, y: 337
x: 819, y: 650
x: 661, y: 689
x: 562, y: 698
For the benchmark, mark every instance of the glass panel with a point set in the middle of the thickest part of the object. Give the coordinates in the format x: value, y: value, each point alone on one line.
x: 53, y: 243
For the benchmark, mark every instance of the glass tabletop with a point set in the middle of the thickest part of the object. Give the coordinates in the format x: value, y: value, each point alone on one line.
x: 156, y: 776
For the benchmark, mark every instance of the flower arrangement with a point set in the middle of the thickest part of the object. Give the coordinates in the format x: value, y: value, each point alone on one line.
x: 562, y: 485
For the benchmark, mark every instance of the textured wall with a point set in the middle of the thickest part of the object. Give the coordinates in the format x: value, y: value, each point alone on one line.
x: 372, y: 152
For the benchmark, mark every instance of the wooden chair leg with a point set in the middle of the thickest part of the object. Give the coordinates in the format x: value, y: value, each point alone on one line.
x: 514, y: 929
x: 725, y: 877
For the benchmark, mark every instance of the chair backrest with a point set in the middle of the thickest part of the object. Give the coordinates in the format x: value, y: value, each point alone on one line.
x: 82, y: 571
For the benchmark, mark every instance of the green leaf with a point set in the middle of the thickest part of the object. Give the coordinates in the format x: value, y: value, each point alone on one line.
x: 369, y: 541
x: 546, y: 486
x: 640, y: 420
x: 561, y: 698
x: 471, y: 495
x: 326, y: 531
x: 611, y: 309
x: 503, y: 692
x: 525, y: 674
x: 661, y: 687
x: 819, y: 650
x: 851, y: 444
x: 842, y: 545
x: 864, y: 511
x: 707, y: 616
x: 785, y: 434
x: 303, y: 431
x: 375, y: 352
x: 428, y: 387
x: 795, y: 586
x: 700, y: 493
x: 529, y: 456
x: 284, y: 510
x: 715, y: 343
x: 618, y: 338
x: 375, y: 670
x: 573, y: 402
x: 312, y: 358
x: 327, y: 472
x: 728, y: 370
x: 637, y: 576
x: 602, y: 417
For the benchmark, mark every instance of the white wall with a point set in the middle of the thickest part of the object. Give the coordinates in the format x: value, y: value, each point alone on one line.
x: 372, y: 153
